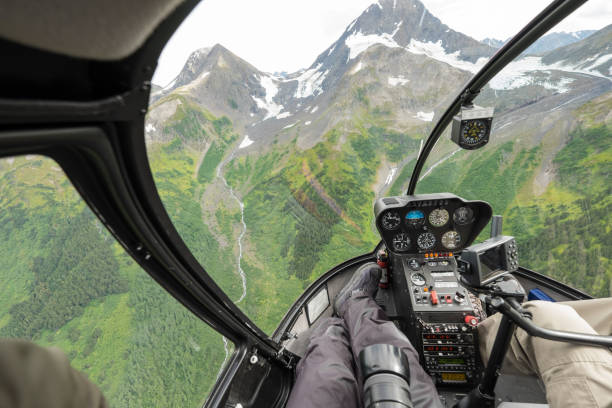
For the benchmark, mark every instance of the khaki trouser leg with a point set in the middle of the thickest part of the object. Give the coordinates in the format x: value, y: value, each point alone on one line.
x: 33, y: 377
x: 574, y: 375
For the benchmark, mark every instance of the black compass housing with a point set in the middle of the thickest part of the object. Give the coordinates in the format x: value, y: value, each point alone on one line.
x: 471, y: 128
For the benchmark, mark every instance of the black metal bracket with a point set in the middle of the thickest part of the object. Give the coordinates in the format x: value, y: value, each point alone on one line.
x: 467, y: 98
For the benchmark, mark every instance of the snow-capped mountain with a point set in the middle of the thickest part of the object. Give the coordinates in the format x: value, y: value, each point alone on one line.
x: 592, y: 55
x: 396, y: 59
x: 546, y: 43
x: 403, y: 24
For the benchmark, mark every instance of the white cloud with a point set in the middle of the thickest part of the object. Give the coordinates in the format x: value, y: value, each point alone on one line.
x: 502, y: 19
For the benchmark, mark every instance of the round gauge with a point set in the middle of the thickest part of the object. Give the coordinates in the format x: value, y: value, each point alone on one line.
x: 426, y: 240
x: 451, y: 239
x: 391, y: 220
x: 401, y: 242
x: 463, y: 215
x: 438, y: 217
x: 415, y: 218
x: 473, y: 131
x: 418, y: 279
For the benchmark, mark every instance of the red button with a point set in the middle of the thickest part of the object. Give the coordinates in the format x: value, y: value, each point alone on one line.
x: 434, y: 297
x: 471, y: 320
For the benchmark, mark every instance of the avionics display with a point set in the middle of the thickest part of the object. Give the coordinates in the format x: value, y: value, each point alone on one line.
x: 440, y: 348
x: 485, y: 262
x: 491, y: 261
x: 443, y: 360
x: 440, y: 336
x: 453, y: 377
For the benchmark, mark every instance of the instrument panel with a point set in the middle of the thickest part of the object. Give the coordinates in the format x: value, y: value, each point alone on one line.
x: 438, y: 315
x: 425, y: 223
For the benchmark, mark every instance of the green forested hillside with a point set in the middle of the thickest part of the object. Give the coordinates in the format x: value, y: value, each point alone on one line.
x: 65, y: 282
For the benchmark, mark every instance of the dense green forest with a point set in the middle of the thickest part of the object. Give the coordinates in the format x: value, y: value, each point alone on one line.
x: 65, y: 282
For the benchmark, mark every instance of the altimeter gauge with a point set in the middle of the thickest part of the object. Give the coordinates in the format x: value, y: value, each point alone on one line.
x: 426, y: 240
x: 451, y: 239
x: 438, y: 217
x: 391, y: 220
x: 401, y: 242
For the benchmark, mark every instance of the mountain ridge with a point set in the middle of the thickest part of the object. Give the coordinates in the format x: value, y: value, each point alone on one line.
x: 405, y: 37
x: 546, y: 43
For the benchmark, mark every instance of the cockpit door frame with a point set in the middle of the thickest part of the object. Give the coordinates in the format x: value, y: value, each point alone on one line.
x: 90, y: 120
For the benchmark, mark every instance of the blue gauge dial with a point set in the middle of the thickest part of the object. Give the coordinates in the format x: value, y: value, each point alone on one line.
x: 415, y: 218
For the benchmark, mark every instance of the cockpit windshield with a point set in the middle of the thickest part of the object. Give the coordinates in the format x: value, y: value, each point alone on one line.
x: 546, y: 165
x: 269, y: 172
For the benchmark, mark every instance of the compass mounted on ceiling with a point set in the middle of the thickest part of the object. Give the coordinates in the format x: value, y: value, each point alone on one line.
x: 472, y: 127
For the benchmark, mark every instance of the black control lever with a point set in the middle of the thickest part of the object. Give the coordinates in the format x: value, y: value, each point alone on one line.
x: 512, y: 314
x: 556, y: 335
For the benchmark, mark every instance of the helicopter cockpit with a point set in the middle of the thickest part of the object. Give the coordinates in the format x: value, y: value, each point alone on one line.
x: 173, y: 233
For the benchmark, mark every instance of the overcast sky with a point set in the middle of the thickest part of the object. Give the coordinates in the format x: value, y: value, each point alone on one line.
x: 286, y: 35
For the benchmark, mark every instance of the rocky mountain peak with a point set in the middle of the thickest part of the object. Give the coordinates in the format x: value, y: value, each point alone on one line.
x: 192, y: 67
x: 408, y: 23
x: 403, y: 24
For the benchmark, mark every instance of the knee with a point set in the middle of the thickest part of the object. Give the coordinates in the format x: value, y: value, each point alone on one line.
x: 540, y: 308
x: 330, y: 327
x: 556, y: 316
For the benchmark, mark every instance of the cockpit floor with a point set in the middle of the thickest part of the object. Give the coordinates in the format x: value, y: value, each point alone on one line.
x: 520, y: 388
